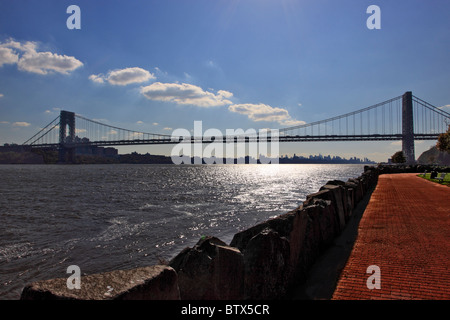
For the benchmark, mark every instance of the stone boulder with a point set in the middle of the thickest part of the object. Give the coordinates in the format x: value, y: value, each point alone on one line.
x: 210, y: 270
x: 356, y: 189
x: 341, y: 198
x: 288, y: 245
x: 333, y: 194
x: 290, y: 226
x: 282, y: 224
x: 336, y: 182
x: 321, y: 225
x: 348, y: 197
x: 323, y: 213
x: 266, y: 260
x: 148, y: 283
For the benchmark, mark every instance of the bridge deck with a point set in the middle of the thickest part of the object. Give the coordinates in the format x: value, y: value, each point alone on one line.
x: 405, y: 231
x: 245, y: 139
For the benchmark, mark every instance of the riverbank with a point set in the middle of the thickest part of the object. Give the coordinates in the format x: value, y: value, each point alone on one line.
x: 29, y: 156
x: 263, y: 262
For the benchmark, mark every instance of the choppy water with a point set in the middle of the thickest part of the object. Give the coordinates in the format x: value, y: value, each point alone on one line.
x: 106, y: 217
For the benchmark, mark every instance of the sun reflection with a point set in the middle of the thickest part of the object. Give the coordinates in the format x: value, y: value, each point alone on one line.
x: 268, y: 169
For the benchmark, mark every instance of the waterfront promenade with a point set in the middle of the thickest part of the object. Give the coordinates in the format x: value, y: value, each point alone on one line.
x: 405, y: 231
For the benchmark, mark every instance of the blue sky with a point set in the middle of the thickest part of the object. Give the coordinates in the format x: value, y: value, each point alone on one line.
x: 155, y: 66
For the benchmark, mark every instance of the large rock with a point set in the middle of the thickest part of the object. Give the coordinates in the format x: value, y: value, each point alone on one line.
x: 297, y: 238
x: 210, y: 270
x: 306, y: 231
x: 321, y: 227
x: 340, y: 196
x: 291, y: 226
x: 282, y: 224
x: 334, y: 194
x: 323, y: 213
x: 336, y: 182
x: 348, y: 196
x: 356, y: 190
x: 148, y: 283
x: 312, y: 229
x: 266, y: 259
x: 359, y: 193
x: 369, y: 178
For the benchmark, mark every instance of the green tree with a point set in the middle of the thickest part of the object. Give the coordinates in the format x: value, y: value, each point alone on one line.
x: 443, y: 143
x: 398, y: 157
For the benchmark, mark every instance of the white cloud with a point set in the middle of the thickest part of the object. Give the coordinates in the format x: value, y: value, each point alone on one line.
x: 263, y: 112
x: 52, y: 111
x: 47, y: 62
x: 186, y: 94
x: 225, y: 94
x: 4, y: 122
x: 135, y: 135
x: 27, y: 58
x: 445, y: 108
x: 155, y: 123
x: 7, y: 56
x: 123, y: 77
x: 21, y: 124
x: 167, y: 128
x: 212, y: 65
x: 28, y: 46
x: 139, y: 122
x: 292, y: 122
x: 129, y: 75
x: 96, y: 78
x: 1, y: 95
x: 160, y: 72
x: 396, y: 143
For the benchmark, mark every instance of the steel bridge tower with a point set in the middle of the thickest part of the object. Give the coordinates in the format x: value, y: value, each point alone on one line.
x: 408, y: 128
x: 66, y: 152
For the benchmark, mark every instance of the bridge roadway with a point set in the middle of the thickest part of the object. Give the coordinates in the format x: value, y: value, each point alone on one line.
x: 205, y: 140
x: 405, y: 231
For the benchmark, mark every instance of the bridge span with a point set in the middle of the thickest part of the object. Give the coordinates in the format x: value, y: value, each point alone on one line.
x: 406, y: 118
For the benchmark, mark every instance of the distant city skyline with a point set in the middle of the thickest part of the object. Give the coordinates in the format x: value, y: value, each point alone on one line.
x: 155, y: 66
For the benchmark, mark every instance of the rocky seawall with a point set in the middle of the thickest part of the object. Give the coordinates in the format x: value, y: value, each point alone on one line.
x: 261, y: 262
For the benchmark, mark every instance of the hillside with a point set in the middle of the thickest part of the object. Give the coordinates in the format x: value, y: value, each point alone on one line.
x: 434, y: 156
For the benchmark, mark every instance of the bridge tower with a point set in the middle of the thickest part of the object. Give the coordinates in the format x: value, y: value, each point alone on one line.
x: 408, y: 128
x: 66, y: 152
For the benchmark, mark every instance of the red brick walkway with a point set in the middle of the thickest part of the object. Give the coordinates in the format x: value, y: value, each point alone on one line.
x: 405, y: 231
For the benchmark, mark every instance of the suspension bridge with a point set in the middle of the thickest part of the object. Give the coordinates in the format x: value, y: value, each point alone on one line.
x: 406, y: 118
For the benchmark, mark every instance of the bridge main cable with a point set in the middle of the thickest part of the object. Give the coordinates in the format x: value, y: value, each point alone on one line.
x: 340, y: 116
x: 43, y: 129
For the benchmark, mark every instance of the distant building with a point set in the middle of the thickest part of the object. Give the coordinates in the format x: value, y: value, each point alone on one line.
x: 14, y: 148
x: 110, y: 152
x: 85, y: 150
x: 97, y: 151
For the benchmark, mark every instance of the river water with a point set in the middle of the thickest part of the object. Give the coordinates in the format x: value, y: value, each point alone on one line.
x: 107, y: 217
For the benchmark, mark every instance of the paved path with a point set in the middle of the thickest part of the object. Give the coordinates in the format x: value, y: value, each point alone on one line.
x: 405, y: 231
